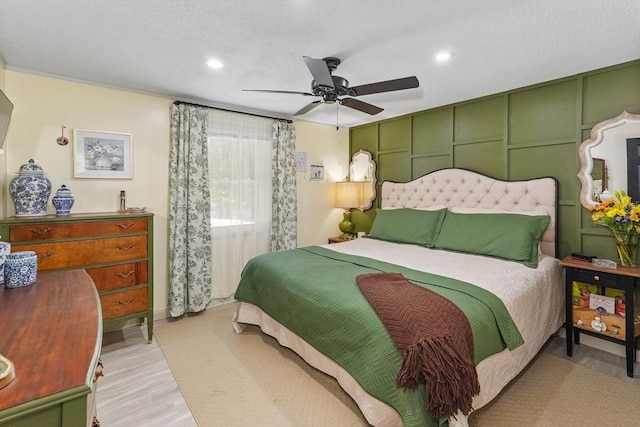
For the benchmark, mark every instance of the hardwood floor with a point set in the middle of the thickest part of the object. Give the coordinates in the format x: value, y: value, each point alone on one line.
x: 138, y: 388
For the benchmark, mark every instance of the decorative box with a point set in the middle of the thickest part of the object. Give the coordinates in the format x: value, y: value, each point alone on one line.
x: 20, y: 269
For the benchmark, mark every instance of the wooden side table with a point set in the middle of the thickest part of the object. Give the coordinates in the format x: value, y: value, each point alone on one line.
x: 338, y: 239
x: 625, y: 279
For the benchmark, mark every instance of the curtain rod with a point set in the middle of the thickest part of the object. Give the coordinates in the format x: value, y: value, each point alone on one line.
x: 230, y: 111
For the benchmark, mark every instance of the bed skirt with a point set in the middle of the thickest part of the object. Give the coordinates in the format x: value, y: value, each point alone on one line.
x: 494, y: 373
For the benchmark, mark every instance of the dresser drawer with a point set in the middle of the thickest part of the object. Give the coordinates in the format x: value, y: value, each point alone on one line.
x: 124, y: 303
x: 80, y: 253
x: 596, y: 277
x: 119, y: 276
x: 48, y: 231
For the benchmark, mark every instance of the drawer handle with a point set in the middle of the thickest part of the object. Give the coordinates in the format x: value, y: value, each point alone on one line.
x: 47, y: 254
x: 127, y: 302
x: 41, y: 231
x: 125, y: 226
x: 126, y: 275
x: 126, y: 248
x: 99, y: 371
x: 596, y: 278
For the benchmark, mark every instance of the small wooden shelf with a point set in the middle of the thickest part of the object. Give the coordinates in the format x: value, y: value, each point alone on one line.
x: 616, y: 325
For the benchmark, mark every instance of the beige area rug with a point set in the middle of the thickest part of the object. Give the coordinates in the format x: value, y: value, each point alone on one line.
x: 248, y: 379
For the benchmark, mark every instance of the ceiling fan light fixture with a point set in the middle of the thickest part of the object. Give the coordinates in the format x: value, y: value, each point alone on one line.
x: 332, y: 89
x: 329, y: 98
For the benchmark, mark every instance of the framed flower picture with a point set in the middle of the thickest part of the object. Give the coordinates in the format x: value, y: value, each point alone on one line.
x: 105, y: 155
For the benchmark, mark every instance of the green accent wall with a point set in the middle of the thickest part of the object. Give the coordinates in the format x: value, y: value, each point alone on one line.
x: 521, y: 134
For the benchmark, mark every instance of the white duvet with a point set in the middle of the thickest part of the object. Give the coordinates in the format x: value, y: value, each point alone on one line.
x: 533, y: 297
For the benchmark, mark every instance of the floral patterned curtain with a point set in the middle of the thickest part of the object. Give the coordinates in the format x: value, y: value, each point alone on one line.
x: 284, y: 212
x: 189, y: 211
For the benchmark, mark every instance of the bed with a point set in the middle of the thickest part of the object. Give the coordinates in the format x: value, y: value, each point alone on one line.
x: 521, y: 270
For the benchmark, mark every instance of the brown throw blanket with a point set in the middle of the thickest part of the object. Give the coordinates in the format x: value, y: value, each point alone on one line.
x: 433, y: 336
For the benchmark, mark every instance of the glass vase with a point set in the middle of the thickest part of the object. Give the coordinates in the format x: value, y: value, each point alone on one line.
x: 627, y: 249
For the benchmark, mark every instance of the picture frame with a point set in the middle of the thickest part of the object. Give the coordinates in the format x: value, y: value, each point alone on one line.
x: 102, y: 155
x: 317, y: 173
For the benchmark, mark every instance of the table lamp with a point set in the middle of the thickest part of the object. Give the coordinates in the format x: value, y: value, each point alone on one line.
x: 349, y: 195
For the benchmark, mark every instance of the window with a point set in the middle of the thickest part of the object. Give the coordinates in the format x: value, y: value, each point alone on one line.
x: 240, y: 183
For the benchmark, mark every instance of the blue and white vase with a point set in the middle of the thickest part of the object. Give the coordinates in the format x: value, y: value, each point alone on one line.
x: 30, y: 190
x: 20, y: 269
x: 63, y: 201
x: 5, y: 249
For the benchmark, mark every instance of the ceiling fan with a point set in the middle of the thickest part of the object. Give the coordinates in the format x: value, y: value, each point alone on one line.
x: 331, y: 88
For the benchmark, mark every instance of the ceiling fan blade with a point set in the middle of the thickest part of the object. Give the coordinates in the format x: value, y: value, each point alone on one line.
x: 279, y: 91
x: 356, y: 104
x: 386, y: 86
x: 307, y: 108
x: 319, y: 71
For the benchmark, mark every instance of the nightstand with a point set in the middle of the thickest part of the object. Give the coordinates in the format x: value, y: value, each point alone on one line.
x: 338, y: 239
x: 618, y: 329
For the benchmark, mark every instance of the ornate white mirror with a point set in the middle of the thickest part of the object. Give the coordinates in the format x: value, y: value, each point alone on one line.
x: 363, y: 169
x: 613, y: 145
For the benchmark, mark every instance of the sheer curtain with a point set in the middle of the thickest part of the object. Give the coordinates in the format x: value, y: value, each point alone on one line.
x: 240, y: 149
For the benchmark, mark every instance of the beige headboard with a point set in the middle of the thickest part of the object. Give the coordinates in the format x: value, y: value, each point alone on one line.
x: 464, y: 188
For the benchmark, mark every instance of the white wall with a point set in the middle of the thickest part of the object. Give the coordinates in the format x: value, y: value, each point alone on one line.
x: 317, y: 217
x: 43, y: 104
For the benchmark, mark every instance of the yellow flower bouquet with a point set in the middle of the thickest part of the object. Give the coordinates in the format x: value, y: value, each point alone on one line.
x: 622, y: 217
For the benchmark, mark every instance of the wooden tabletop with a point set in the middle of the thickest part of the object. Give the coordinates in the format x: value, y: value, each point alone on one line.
x: 624, y: 271
x: 52, y: 332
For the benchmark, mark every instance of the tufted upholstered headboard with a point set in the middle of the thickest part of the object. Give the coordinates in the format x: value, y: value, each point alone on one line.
x: 464, y: 188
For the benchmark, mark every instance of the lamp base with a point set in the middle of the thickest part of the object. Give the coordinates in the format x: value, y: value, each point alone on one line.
x: 346, y: 226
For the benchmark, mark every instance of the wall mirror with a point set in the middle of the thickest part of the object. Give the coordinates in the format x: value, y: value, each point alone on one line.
x: 610, y: 159
x: 363, y: 169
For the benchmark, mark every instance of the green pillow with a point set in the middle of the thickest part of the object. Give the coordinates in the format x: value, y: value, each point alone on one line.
x: 508, y: 236
x: 406, y: 225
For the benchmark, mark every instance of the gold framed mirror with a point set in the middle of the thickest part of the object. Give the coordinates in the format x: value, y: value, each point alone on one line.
x: 607, y: 145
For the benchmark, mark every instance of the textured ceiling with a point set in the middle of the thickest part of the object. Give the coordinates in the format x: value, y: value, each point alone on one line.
x: 160, y: 47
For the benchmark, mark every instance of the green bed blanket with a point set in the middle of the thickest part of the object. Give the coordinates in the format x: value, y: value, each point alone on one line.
x: 312, y: 291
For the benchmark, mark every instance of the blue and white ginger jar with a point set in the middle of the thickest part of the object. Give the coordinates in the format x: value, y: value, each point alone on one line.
x: 30, y: 190
x: 63, y: 201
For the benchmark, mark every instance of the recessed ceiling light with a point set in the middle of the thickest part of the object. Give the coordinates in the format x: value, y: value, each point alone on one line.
x: 214, y: 63
x: 443, y: 56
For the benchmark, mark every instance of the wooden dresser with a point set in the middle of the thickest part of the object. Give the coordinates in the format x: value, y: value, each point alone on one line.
x: 116, y: 249
x: 52, y: 332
